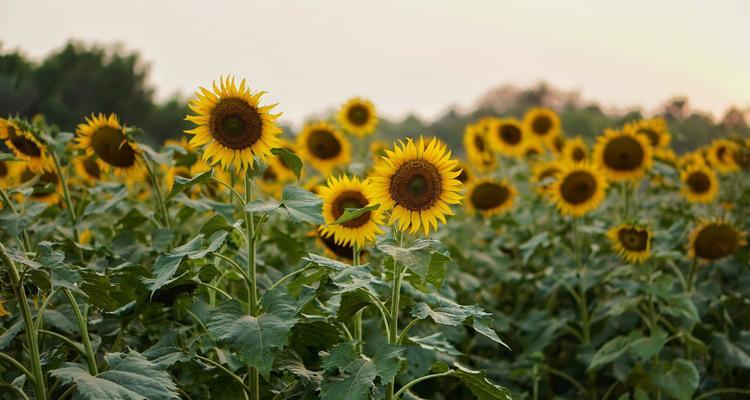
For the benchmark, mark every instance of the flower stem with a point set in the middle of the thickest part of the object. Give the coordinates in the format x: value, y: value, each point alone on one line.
x: 393, y: 336
x: 691, y: 275
x: 68, y: 203
x: 31, y: 333
x: 157, y: 190
x: 83, y: 327
x: 252, y: 289
x: 358, y: 315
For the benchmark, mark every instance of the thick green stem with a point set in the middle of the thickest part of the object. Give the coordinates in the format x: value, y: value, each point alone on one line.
x: 414, y: 382
x: 358, y: 315
x: 691, y: 275
x: 157, y: 190
x: 583, y: 302
x: 68, y: 202
x: 32, y: 337
x: 251, y: 274
x: 393, y: 336
x: 83, y: 328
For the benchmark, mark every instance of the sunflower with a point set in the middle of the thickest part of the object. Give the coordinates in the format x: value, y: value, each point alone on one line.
x: 532, y: 149
x: 25, y: 145
x: 544, y: 174
x: 464, y: 172
x: 623, y: 155
x: 358, y: 116
x: 88, y: 169
x: 332, y: 249
x: 558, y: 144
x: 699, y: 184
x: 175, y: 171
x: 489, y: 197
x: 741, y: 157
x: 377, y: 150
x: 631, y: 242
x: 323, y: 146
x: 105, y: 138
x: 6, y: 177
x: 542, y: 123
x: 506, y: 136
x: 712, y: 240
x: 338, y: 195
x: 25, y: 173
x: 578, y: 189
x: 575, y: 150
x: 417, y: 181
x: 720, y: 155
x: 232, y: 124
x: 690, y: 158
x: 478, y: 148
x: 655, y: 130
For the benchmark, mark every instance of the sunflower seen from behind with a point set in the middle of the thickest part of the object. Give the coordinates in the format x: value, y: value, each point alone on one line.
x: 417, y: 182
x: 489, y: 197
x: 632, y: 242
x: 543, y: 124
x: 699, y: 183
x: 713, y: 240
x: 578, y: 189
x: 232, y: 126
x: 104, y: 138
x: 323, y: 147
x: 341, y: 193
x: 25, y: 145
x: 623, y: 154
x: 506, y: 136
x: 358, y: 116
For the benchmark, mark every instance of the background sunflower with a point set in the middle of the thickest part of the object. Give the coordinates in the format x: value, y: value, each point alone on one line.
x: 358, y: 116
x: 103, y: 137
x: 623, y: 155
x: 543, y: 124
x: 489, y: 197
x: 338, y: 195
x: 25, y: 145
x: 578, y: 189
x: 323, y: 146
x: 631, y: 242
x: 699, y: 183
x: 715, y: 239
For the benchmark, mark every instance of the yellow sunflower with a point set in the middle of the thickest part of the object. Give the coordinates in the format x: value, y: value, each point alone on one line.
x: 720, y: 155
x: 338, y: 195
x: 575, y: 150
x: 578, y: 189
x: 690, y: 158
x: 465, y: 174
x: 25, y: 173
x: 478, y: 148
x: 377, y: 150
x: 542, y: 123
x: 6, y: 177
x: 174, y: 171
x: 343, y: 252
x: 533, y: 149
x: 323, y: 146
x: 506, y: 136
x: 741, y: 156
x: 233, y: 125
x: 417, y: 181
x: 544, y: 174
x: 358, y: 116
x: 489, y: 197
x: 631, y: 242
x: 699, y: 183
x: 655, y: 130
x: 25, y: 145
x: 105, y: 138
x: 623, y: 155
x: 558, y: 144
x: 87, y: 169
x: 712, y: 240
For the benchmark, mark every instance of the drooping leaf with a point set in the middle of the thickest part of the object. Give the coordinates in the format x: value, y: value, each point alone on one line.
x: 423, y: 256
x: 647, y: 347
x: 728, y: 352
x: 11, y: 333
x: 262, y: 206
x: 354, y: 213
x: 290, y: 159
x: 613, y: 349
x: 182, y: 184
x: 475, y: 381
x: 446, y: 312
x: 435, y: 342
x: 130, y: 377
x: 357, y: 374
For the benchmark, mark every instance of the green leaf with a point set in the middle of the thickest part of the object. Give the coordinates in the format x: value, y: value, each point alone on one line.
x: 11, y: 333
x: 182, y: 184
x: 612, y: 350
x: 257, y: 340
x: 423, y: 256
x: 130, y: 377
x: 302, y: 205
x: 325, y: 262
x: 290, y: 159
x: 475, y: 381
x: 356, y: 375
x: 7, y: 157
x: 14, y: 223
x: 678, y: 379
x: 262, y: 206
x: 354, y: 213
x: 435, y: 342
x: 61, y: 274
x: 447, y: 312
x: 647, y: 347
x: 728, y: 352
x: 351, y: 302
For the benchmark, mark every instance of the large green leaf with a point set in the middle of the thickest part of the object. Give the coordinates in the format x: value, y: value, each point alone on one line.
x: 613, y: 349
x: 446, y: 312
x: 302, y: 205
x: 182, y: 184
x: 435, y: 342
x: 423, y: 256
x: 728, y: 352
x: 290, y: 159
x: 476, y: 381
x: 678, y: 379
x: 257, y: 340
x: 357, y: 374
x: 130, y: 377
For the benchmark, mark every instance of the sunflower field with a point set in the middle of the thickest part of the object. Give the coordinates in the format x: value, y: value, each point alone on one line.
x: 241, y: 262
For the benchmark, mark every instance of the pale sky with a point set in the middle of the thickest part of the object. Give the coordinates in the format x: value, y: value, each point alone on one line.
x: 414, y: 56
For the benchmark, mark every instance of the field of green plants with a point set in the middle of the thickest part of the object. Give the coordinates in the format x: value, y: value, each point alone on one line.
x: 241, y: 262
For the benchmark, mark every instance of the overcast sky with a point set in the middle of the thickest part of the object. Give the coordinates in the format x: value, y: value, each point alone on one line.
x: 419, y: 55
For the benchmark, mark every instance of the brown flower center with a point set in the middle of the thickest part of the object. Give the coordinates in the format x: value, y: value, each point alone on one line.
x: 342, y: 251
x: 715, y: 241
x: 479, y: 143
x: 3, y: 169
x: 91, y: 167
x: 351, y: 199
x: 541, y: 125
x: 578, y: 187
x: 653, y: 137
x: 416, y: 185
x: 111, y: 146
x: 488, y: 195
x: 323, y: 144
x: 633, y: 239
x: 624, y: 153
x: 578, y: 154
x: 698, y: 182
x: 235, y: 124
x: 510, y: 134
x: 463, y: 176
x: 358, y: 115
x: 23, y: 144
